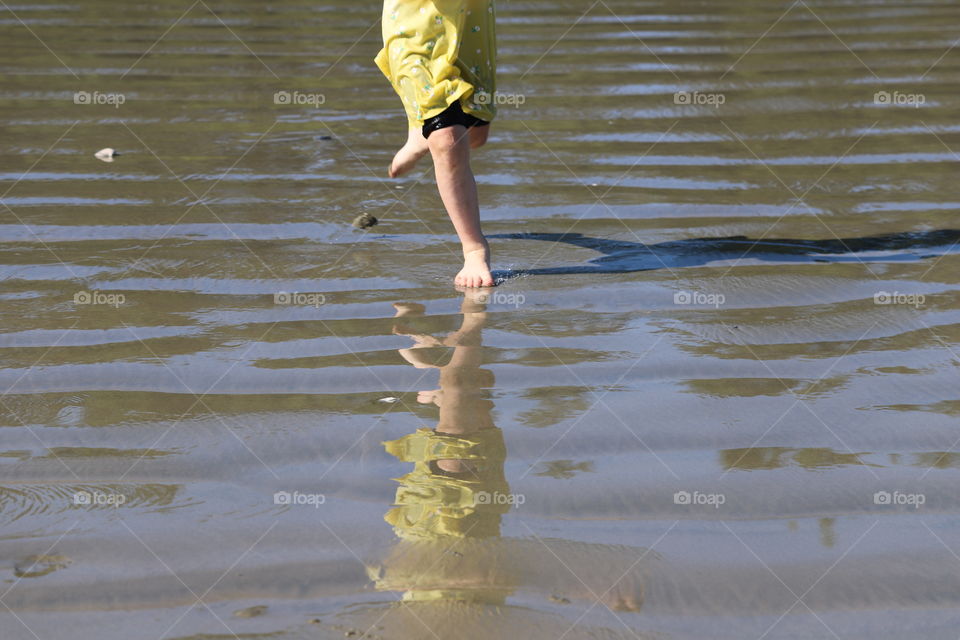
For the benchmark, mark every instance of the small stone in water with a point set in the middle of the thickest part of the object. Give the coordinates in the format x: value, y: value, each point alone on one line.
x: 107, y: 154
x: 364, y: 221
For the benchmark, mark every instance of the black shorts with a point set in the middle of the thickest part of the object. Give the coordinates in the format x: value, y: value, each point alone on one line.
x: 452, y: 115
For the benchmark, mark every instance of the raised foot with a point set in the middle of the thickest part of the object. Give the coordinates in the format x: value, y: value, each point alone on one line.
x: 406, y: 159
x: 476, y: 269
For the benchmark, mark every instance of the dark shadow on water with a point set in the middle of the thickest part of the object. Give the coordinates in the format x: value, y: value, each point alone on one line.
x: 626, y: 257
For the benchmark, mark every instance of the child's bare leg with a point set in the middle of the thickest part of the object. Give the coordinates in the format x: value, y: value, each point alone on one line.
x: 478, y: 136
x: 414, y: 149
x: 450, y: 148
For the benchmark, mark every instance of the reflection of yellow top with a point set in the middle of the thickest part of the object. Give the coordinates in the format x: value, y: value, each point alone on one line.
x: 432, y: 503
x: 438, y: 51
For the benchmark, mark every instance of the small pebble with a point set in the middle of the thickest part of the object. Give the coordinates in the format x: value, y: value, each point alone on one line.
x: 107, y: 154
x: 364, y: 221
x: 559, y: 600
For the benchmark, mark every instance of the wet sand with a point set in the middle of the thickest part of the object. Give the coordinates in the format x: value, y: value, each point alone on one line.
x: 715, y: 395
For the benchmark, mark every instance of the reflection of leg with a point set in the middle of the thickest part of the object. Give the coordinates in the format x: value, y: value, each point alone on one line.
x: 420, y: 340
x: 417, y: 357
x: 412, y: 310
x: 434, y: 396
x: 450, y: 148
x: 408, y: 309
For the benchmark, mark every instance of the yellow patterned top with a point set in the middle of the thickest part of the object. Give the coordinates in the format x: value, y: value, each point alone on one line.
x: 438, y: 51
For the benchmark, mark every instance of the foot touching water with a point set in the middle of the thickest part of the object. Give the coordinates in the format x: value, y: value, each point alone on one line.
x: 476, y: 269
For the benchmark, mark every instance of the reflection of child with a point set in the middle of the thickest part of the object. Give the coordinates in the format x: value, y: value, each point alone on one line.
x: 439, y: 55
x: 462, y: 460
x: 447, y: 513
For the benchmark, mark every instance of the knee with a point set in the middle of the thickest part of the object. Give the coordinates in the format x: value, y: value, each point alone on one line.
x: 445, y: 140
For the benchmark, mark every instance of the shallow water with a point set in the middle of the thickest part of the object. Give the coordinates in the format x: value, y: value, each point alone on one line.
x: 681, y: 403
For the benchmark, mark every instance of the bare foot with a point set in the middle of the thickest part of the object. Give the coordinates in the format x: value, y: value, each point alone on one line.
x: 476, y: 269
x: 406, y: 159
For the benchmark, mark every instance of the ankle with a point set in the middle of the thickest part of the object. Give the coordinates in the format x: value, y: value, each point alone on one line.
x: 415, y: 139
x: 475, y: 247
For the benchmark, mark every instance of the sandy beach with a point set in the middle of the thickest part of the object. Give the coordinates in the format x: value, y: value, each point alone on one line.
x: 714, y: 396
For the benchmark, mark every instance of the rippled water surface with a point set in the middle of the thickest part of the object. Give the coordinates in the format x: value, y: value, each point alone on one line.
x: 715, y: 396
